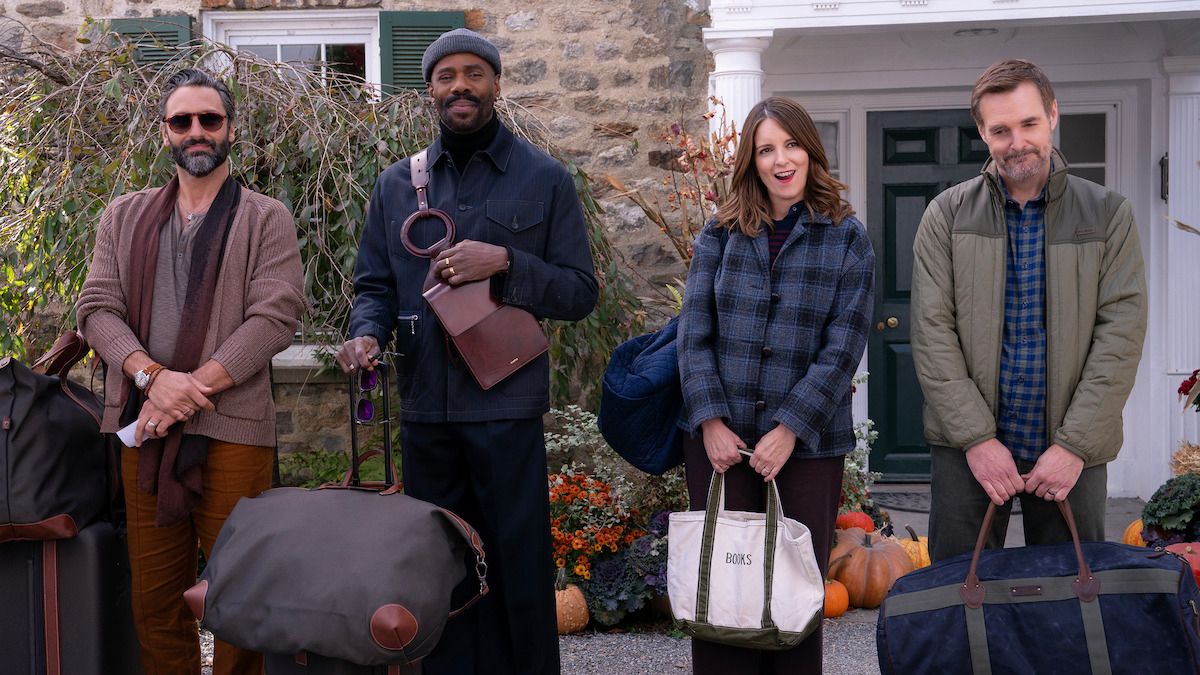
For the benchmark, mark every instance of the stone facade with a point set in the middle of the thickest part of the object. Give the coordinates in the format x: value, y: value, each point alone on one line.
x: 607, y: 77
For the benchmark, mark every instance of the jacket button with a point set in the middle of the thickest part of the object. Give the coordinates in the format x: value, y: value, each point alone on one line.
x: 462, y: 207
x: 760, y: 405
x: 774, y: 297
x: 767, y: 351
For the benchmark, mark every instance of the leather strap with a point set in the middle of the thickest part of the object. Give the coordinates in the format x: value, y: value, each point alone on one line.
x: 50, y: 606
x: 67, y: 350
x: 419, y: 167
x: 420, y: 178
x: 1085, y: 585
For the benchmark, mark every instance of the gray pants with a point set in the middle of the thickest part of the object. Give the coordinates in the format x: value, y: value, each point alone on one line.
x: 958, y: 504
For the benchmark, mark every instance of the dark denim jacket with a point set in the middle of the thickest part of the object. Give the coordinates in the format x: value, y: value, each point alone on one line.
x: 510, y: 194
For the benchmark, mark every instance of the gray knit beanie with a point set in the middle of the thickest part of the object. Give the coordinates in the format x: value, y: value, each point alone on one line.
x: 458, y: 41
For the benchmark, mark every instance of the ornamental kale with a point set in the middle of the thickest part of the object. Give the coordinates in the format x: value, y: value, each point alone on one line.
x: 648, y: 555
x: 614, y: 589
x: 1175, y: 507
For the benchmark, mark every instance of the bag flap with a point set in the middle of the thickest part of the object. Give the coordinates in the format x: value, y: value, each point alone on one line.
x: 460, y: 307
x: 501, y: 344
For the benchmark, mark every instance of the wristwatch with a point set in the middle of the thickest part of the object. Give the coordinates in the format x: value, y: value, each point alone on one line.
x: 141, y: 379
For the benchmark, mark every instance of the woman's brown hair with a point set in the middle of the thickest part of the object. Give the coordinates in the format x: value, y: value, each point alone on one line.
x: 748, y: 206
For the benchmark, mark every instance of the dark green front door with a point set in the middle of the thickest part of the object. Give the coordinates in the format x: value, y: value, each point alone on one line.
x: 911, y: 157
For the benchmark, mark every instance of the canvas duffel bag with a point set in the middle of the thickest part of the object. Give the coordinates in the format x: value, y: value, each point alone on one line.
x: 1072, y: 608
x: 352, y: 571
x: 54, y: 481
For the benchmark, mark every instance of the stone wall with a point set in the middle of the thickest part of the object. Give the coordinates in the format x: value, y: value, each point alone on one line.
x: 608, y: 77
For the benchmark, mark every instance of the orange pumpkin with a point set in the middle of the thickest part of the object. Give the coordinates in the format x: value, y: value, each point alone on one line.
x: 868, y: 565
x: 1191, y: 553
x: 855, y: 519
x: 571, y: 606
x: 837, y: 599
x: 1133, y: 534
x: 916, y: 547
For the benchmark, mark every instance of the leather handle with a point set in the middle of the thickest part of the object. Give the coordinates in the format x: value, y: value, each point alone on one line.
x: 68, y: 349
x: 419, y: 168
x: 1086, y: 586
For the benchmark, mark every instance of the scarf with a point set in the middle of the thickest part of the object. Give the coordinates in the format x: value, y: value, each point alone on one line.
x: 171, y: 467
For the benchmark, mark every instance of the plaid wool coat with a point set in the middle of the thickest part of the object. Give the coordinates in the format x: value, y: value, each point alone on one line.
x: 763, y: 345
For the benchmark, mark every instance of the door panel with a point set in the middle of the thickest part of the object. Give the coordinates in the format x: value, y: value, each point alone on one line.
x: 912, y: 157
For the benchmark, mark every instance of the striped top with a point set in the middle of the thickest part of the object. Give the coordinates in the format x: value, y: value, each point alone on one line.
x: 781, y: 229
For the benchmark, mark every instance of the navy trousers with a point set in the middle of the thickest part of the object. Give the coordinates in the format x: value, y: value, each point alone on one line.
x: 493, y: 474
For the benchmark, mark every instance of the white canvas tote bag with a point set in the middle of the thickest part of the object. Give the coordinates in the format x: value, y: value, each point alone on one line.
x: 742, y: 578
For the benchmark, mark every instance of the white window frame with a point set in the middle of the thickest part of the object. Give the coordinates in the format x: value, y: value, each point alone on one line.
x: 1109, y: 110
x: 305, y: 26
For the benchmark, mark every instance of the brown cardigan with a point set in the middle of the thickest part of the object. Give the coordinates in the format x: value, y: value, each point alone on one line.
x: 258, y: 303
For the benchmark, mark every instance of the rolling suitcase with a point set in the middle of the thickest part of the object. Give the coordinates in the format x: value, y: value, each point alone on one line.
x: 1070, y: 609
x: 65, y: 607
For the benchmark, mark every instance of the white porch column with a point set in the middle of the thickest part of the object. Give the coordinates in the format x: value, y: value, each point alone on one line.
x: 1183, y: 204
x: 1183, y: 248
x: 737, y: 77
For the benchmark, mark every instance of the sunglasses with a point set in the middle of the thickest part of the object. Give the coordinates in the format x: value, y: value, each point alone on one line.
x: 182, y: 123
x: 368, y: 381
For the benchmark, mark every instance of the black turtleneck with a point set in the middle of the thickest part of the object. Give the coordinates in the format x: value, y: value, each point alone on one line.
x: 464, y: 146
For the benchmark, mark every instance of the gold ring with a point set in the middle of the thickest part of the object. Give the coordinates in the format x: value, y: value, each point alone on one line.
x: 450, y: 269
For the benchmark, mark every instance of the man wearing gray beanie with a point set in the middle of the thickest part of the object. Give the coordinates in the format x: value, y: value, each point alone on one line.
x: 478, y: 453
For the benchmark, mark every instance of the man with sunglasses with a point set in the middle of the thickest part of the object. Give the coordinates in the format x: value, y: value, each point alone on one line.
x: 478, y: 453
x: 193, y: 287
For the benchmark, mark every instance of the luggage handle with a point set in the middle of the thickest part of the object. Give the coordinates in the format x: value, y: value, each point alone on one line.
x: 389, y: 468
x: 1086, y: 586
x: 68, y: 349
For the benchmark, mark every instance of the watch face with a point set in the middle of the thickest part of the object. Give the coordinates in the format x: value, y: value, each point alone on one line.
x: 141, y: 379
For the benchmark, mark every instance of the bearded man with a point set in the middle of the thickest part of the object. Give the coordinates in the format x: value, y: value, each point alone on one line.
x: 1028, y: 318
x: 479, y: 453
x: 193, y: 287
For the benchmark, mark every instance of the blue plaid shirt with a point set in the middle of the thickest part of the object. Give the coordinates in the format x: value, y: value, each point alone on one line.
x: 1021, y: 418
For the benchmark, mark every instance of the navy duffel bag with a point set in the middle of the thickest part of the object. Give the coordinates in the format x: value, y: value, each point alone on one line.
x: 1069, y: 608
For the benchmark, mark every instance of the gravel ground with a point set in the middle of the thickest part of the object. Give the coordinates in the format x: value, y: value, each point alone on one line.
x: 849, y: 650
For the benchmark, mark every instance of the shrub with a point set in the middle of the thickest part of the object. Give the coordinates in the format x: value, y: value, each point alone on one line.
x: 81, y: 128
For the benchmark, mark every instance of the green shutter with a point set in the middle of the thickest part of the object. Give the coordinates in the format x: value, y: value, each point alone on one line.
x: 150, y: 35
x: 403, y: 37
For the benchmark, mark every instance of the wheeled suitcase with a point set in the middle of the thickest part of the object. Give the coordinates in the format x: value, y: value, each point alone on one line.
x: 65, y: 606
x: 1074, y: 608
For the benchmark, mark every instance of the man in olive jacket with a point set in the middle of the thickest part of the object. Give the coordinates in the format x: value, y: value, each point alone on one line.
x: 1029, y: 313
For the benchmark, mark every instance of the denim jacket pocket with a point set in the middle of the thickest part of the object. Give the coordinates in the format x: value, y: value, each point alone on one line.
x: 514, y: 216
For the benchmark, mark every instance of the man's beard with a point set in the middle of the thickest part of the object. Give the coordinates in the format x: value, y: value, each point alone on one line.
x: 1016, y: 166
x: 202, y: 163
x: 483, y: 111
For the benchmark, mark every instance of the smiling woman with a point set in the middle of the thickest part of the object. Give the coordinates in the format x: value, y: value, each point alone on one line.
x: 766, y: 313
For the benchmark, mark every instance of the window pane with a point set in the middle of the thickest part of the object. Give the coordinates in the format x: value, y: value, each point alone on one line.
x: 829, y: 139
x: 1081, y: 137
x: 348, y: 59
x: 268, y: 52
x: 298, y: 55
x: 1094, y: 174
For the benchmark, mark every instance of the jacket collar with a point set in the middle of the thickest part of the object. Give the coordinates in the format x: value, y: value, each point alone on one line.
x: 499, y: 151
x: 1055, y: 186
